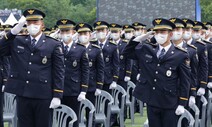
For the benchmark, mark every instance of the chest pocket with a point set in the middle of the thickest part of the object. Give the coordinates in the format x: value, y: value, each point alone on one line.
x: 170, y: 70
x: 92, y: 63
x: 74, y: 62
x: 148, y: 59
x: 108, y: 59
x: 20, y: 50
x: 45, y: 57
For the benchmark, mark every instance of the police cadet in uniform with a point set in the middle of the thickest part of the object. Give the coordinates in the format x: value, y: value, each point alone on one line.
x: 206, y: 39
x: 76, y: 67
x: 202, y: 69
x: 36, y: 71
x: 96, y: 62
x: 162, y: 68
x: 177, y: 39
x: 139, y: 28
x: 110, y: 55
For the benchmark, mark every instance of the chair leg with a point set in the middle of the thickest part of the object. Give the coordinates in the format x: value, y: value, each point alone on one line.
x: 132, y: 114
x: 121, y: 119
x: 141, y: 107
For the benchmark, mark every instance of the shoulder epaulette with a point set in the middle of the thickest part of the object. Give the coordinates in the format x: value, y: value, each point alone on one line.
x: 124, y: 40
x: 95, y: 46
x: 112, y: 42
x: 192, y: 46
x: 201, y: 42
x: 149, y: 43
x: 182, y: 49
x: 80, y: 44
x: 207, y: 41
x: 52, y: 38
x: 93, y: 40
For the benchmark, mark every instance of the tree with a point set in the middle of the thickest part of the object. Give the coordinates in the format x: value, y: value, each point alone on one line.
x: 206, y: 7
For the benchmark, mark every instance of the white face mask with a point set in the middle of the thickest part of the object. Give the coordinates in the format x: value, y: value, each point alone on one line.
x: 176, y: 35
x: 66, y: 37
x: 187, y: 35
x: 128, y: 36
x: 115, y: 36
x: 138, y: 33
x: 196, y: 36
x: 161, y: 38
x: 33, y: 29
x: 202, y: 36
x: 83, y: 39
x: 101, y: 35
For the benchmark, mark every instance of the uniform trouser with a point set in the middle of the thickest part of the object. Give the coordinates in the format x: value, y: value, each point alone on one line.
x: 1, y: 109
x: 161, y: 117
x: 33, y: 112
x: 73, y: 103
x: 91, y: 97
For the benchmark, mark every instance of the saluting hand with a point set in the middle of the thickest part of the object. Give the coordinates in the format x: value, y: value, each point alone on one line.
x: 15, y: 30
x: 143, y: 37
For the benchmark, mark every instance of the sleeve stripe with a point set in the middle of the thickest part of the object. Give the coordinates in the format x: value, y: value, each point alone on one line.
x: 115, y: 76
x: 5, y: 35
x: 182, y: 98
x: 59, y: 91
x: 193, y: 88
x: 128, y: 72
x: 85, y: 86
x: 209, y: 76
x: 99, y: 83
x: 202, y: 82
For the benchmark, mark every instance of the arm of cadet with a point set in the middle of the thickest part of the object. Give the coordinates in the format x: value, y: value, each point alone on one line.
x: 84, y: 71
x: 129, y: 67
x: 129, y: 50
x: 115, y: 64
x: 194, y: 66
x: 203, y: 68
x: 100, y: 70
x: 58, y: 71
x: 5, y: 43
x: 184, y: 74
x: 210, y: 64
x: 6, y: 68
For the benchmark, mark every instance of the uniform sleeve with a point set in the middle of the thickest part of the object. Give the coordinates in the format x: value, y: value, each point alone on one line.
x: 115, y: 64
x: 129, y: 50
x: 58, y: 71
x: 100, y: 70
x: 203, y: 67
x: 129, y: 67
x: 194, y: 66
x: 210, y: 63
x: 184, y: 73
x: 84, y: 71
x: 5, y: 44
x: 5, y: 69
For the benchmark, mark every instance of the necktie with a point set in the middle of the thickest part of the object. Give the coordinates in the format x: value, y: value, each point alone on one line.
x: 66, y: 49
x: 162, y: 53
x: 33, y: 42
x: 101, y: 45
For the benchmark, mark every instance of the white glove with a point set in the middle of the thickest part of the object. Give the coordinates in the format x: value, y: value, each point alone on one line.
x: 56, y: 102
x: 15, y: 30
x: 191, y: 101
x: 209, y: 85
x: 81, y: 96
x: 138, y: 77
x: 97, y: 92
x: 113, y: 85
x: 2, y: 88
x: 180, y: 110
x: 75, y: 37
x: 126, y: 78
x: 55, y: 34
x: 201, y: 91
x: 108, y: 35
x: 143, y: 36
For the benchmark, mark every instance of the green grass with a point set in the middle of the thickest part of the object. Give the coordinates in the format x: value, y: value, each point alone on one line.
x: 139, y: 121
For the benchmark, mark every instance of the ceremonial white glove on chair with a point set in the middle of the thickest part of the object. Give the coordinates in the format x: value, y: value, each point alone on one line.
x: 56, y: 102
x: 81, y: 96
x: 15, y: 30
x: 126, y: 78
x: 192, y: 101
x: 180, y: 110
x: 97, y: 92
x: 201, y: 92
x: 209, y: 85
x: 113, y: 85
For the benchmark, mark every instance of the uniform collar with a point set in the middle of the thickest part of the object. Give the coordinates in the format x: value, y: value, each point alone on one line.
x: 189, y: 41
x: 166, y: 48
x: 104, y: 42
x: 36, y: 38
x: 69, y: 45
x: 180, y: 44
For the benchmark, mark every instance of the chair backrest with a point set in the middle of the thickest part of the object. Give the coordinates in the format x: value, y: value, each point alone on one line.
x: 62, y: 114
x: 204, y: 106
x: 115, y: 93
x: 101, y: 101
x: 83, y: 105
x: 130, y: 86
x: 188, y: 116
x: 197, y: 112
x: 9, y: 103
x: 209, y: 109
